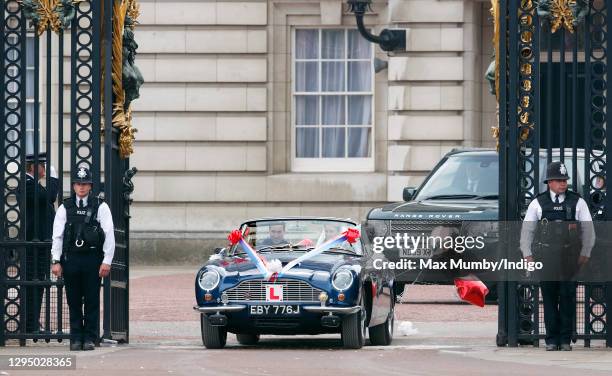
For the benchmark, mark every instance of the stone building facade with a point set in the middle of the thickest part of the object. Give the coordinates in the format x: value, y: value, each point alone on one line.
x: 254, y: 108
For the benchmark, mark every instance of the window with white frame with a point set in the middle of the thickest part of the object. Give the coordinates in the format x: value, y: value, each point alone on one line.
x: 333, y: 100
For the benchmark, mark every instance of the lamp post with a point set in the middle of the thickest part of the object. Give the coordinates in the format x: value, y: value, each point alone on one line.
x: 389, y: 40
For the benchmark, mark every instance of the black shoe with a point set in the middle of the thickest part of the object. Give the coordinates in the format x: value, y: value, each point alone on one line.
x: 76, y: 346
x: 88, y: 346
x: 566, y: 347
x: 552, y: 347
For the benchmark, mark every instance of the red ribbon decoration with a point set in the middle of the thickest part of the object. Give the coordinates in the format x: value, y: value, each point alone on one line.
x: 234, y: 237
x: 472, y: 291
x: 352, y: 234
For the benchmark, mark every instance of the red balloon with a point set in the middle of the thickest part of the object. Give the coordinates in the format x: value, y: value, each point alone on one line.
x: 472, y: 291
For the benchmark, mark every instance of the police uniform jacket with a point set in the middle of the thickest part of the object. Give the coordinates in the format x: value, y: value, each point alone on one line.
x: 105, y: 219
x: 580, y: 214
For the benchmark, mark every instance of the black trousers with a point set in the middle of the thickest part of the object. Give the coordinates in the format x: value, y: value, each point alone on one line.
x: 559, y: 310
x: 82, y: 282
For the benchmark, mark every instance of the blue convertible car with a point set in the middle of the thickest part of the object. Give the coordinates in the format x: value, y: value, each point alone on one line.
x: 295, y: 276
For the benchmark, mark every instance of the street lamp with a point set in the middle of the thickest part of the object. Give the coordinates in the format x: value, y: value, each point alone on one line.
x: 389, y: 40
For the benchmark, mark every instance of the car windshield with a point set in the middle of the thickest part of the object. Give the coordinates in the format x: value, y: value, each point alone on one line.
x: 475, y: 176
x: 463, y: 176
x: 296, y: 235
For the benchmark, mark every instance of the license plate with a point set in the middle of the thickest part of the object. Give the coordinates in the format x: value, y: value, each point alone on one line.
x: 417, y: 253
x: 273, y: 310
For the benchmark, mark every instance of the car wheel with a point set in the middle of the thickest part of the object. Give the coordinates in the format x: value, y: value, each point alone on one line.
x: 247, y: 339
x: 354, y: 328
x: 382, y: 335
x: 213, y: 337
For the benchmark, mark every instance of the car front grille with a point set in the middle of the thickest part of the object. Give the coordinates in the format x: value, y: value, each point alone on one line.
x: 293, y: 290
x: 418, y: 227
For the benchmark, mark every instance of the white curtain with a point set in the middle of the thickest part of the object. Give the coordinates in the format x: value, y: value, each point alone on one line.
x: 325, y: 123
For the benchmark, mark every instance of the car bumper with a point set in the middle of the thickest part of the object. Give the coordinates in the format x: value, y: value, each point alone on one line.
x: 313, y: 319
x: 336, y: 310
x: 221, y: 308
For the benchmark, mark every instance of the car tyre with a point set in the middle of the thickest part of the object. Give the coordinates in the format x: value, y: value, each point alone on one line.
x: 382, y: 335
x: 354, y: 328
x: 247, y: 339
x: 213, y: 337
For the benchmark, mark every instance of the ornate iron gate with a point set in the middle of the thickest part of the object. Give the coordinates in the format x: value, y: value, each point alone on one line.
x: 552, y: 75
x: 74, y: 51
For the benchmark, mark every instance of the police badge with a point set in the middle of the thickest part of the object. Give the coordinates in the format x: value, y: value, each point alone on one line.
x: 562, y: 169
x: 81, y: 174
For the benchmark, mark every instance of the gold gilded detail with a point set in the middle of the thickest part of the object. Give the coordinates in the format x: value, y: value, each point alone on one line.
x: 495, y: 134
x: 526, y: 4
x: 526, y: 69
x: 48, y: 14
x: 562, y: 15
x: 525, y: 101
x: 122, y: 117
x: 526, y: 36
x: 527, y: 85
x: 495, y: 14
x: 525, y: 131
x: 525, y: 118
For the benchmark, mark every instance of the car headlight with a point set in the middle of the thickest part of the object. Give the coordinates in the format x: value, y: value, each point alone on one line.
x: 209, y: 280
x: 376, y: 228
x: 342, y: 280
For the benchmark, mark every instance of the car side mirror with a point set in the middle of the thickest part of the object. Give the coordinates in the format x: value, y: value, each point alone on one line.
x: 409, y: 193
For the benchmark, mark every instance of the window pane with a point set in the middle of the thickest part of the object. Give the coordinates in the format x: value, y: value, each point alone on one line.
x: 30, y: 51
x: 307, y: 44
x: 333, y: 76
x: 30, y: 115
x: 306, y: 110
x: 359, y: 76
x: 359, y: 142
x: 307, y: 143
x: 360, y: 109
x: 307, y: 77
x: 333, y: 44
x: 333, y: 142
x: 358, y: 47
x: 30, y: 83
x: 333, y: 110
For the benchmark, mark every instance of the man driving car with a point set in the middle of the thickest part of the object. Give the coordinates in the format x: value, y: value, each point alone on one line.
x: 276, y: 235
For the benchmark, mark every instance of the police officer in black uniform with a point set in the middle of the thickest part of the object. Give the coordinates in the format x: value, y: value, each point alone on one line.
x: 83, y: 249
x: 40, y: 203
x: 561, y: 223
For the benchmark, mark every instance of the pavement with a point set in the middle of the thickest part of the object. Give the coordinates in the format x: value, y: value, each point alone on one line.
x: 435, y: 334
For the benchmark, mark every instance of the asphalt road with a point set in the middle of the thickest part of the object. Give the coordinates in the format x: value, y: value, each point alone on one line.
x: 431, y: 339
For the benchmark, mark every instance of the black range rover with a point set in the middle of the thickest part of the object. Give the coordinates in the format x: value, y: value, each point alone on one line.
x: 459, y: 197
